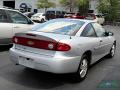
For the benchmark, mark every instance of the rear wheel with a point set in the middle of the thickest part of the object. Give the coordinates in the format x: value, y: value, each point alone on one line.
x: 83, y: 69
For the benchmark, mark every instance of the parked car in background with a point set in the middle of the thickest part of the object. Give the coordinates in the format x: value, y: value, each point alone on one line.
x: 63, y: 46
x: 78, y: 16
x: 52, y: 14
x: 11, y: 22
x: 68, y: 14
x: 29, y: 14
x: 96, y: 17
x: 38, y: 17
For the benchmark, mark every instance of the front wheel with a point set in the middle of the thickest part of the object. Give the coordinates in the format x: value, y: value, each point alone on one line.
x: 112, y: 51
x: 83, y: 69
x: 42, y: 20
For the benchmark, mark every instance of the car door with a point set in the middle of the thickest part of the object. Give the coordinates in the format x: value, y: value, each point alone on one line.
x: 20, y: 22
x: 93, y: 40
x: 5, y: 28
x: 105, y: 42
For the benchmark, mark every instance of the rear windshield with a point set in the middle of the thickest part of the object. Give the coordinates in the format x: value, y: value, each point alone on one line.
x: 90, y: 17
x: 66, y: 27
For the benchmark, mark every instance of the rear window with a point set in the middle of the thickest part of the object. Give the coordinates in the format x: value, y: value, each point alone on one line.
x: 90, y: 17
x: 66, y: 27
x: 99, y: 16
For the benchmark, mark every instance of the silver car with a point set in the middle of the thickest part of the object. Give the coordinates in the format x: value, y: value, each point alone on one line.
x: 63, y: 46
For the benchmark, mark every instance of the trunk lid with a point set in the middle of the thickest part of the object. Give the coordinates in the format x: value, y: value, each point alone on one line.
x: 37, y: 42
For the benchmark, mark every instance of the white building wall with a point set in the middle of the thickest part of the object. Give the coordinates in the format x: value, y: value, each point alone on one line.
x: 31, y: 2
x: 93, y: 5
x: 57, y: 6
x: 1, y: 2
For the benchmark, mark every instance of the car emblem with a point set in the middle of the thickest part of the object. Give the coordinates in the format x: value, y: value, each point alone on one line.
x: 30, y: 43
x: 50, y: 46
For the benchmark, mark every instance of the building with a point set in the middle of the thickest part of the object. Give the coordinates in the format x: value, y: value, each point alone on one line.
x: 93, y: 5
x: 31, y: 5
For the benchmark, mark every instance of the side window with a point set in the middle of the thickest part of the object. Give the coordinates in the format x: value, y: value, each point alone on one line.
x: 88, y: 31
x: 58, y: 13
x: 63, y: 12
x: 52, y: 12
x: 17, y: 17
x: 3, y: 16
x: 100, y: 31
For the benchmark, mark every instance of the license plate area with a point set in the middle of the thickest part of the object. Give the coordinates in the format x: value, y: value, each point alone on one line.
x: 28, y: 62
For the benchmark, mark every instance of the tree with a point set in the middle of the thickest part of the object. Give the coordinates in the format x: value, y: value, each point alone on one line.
x: 69, y: 4
x: 83, y: 6
x: 111, y: 8
x: 45, y: 4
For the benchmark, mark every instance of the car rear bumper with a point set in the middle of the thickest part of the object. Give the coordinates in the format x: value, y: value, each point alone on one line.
x: 46, y: 63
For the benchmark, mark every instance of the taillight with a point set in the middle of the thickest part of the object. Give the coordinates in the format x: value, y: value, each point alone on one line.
x: 74, y: 16
x: 63, y: 47
x: 41, y: 44
x: 15, y: 39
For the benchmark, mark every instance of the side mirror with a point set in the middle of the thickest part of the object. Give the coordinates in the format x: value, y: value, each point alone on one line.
x: 109, y: 34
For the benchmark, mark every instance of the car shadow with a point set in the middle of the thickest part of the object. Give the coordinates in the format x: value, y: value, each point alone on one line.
x: 105, y: 59
x: 33, y: 78
x: 5, y: 47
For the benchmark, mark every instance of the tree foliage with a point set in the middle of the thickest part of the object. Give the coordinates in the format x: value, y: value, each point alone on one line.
x: 111, y: 8
x: 69, y: 4
x: 82, y: 5
x: 45, y: 4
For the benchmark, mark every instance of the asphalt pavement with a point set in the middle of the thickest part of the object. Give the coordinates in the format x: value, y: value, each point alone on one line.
x: 103, y: 75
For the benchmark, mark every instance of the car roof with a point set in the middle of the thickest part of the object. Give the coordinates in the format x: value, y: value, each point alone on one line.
x: 8, y: 9
x: 84, y: 20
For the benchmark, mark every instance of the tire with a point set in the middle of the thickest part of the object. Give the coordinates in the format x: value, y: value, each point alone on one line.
x: 42, y: 20
x: 82, y: 70
x: 112, y: 51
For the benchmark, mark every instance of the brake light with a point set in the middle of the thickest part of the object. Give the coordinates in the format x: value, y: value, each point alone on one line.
x: 15, y: 40
x: 63, y: 47
x: 41, y: 44
x: 74, y: 16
